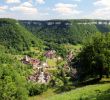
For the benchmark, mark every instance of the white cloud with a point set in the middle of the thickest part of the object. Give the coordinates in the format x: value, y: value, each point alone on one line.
x: 3, y: 8
x: 25, y: 8
x: 102, y: 3
x: 65, y: 9
x: 102, y: 9
x: 12, y: 1
x: 27, y: 4
x: 40, y: 1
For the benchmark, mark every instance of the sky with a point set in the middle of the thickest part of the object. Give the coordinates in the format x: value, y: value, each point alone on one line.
x: 55, y: 9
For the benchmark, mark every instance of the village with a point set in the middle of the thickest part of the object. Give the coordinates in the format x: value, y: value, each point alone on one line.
x: 41, y: 69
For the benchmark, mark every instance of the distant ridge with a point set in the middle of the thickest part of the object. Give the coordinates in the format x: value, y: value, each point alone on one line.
x: 89, y: 21
x: 66, y: 31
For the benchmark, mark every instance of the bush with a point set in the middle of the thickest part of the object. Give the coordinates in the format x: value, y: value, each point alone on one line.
x: 66, y: 88
x: 36, y: 89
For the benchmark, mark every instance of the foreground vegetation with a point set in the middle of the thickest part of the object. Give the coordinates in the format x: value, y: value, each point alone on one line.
x: 100, y: 91
x: 90, y: 92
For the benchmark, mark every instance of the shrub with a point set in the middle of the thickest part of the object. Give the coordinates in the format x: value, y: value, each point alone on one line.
x: 36, y: 89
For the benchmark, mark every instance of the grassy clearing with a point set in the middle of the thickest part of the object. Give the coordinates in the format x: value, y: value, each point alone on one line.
x: 74, y: 48
x: 43, y: 96
x: 90, y: 92
x: 52, y: 62
x: 70, y: 46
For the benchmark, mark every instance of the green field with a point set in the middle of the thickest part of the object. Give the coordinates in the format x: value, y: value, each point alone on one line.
x: 90, y: 92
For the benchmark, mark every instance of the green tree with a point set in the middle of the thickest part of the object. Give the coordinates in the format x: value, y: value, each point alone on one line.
x: 12, y: 84
x: 94, y: 59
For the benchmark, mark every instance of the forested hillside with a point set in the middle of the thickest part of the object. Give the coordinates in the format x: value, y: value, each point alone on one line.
x: 64, y: 31
x: 15, y: 37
